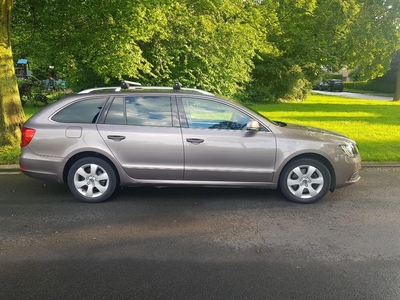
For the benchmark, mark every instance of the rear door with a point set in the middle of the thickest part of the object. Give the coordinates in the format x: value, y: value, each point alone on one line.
x: 144, y: 135
x: 219, y: 148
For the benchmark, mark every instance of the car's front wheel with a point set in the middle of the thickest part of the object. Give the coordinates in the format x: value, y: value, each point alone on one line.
x: 305, y: 180
x: 92, y: 179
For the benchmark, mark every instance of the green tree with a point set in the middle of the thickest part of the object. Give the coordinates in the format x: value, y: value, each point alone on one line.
x: 305, y: 36
x: 203, y: 43
x: 11, y: 113
x: 373, y: 39
x: 274, y: 48
x: 89, y: 41
x: 326, y: 34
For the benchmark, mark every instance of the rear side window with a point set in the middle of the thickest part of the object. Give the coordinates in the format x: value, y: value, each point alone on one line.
x: 141, y: 111
x: 85, y: 111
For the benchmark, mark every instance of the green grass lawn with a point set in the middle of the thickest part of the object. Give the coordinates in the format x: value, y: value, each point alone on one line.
x: 29, y: 111
x: 373, y: 124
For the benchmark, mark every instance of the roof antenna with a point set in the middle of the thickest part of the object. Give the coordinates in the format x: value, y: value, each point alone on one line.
x: 177, y: 86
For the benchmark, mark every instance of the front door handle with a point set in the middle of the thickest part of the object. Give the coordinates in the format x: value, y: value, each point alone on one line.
x: 195, y: 141
x: 116, y: 138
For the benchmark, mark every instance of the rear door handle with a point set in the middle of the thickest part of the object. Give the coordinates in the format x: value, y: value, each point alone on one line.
x: 116, y: 138
x: 195, y: 141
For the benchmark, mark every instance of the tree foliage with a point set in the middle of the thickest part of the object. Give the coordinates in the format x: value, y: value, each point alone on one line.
x: 203, y: 43
x: 373, y: 38
x: 274, y: 49
x: 314, y: 37
x: 94, y: 39
x: 207, y: 44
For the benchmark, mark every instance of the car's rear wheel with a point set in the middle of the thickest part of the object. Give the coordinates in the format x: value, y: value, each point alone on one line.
x: 305, y: 180
x: 92, y: 179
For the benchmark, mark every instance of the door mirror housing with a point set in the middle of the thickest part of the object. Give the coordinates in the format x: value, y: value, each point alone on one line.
x: 253, y: 125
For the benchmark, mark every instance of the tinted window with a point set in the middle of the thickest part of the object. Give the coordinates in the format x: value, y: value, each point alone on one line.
x: 148, y: 111
x: 85, y: 111
x: 208, y: 114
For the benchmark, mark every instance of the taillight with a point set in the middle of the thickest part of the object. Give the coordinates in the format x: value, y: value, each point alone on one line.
x: 27, y: 136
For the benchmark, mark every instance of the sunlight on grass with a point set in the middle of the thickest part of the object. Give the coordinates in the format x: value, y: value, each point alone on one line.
x: 315, y: 114
x: 30, y: 111
x: 374, y: 124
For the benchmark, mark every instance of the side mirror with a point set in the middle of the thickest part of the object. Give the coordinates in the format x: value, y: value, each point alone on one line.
x: 253, y: 125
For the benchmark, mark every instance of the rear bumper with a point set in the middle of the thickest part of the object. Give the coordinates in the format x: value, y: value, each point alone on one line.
x: 39, y: 167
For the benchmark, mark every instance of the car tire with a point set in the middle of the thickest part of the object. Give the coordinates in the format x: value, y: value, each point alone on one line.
x: 305, y: 180
x: 92, y: 180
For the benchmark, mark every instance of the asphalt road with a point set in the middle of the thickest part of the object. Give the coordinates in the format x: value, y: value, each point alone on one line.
x: 193, y: 243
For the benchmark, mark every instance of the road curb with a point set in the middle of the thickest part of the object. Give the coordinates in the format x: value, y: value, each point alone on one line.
x: 381, y: 165
x: 9, y: 168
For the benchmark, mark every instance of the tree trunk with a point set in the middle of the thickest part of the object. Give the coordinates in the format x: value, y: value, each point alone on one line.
x: 11, y: 112
x: 397, y: 93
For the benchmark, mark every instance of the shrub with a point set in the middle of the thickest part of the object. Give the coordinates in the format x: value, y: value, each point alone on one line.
x: 376, y: 85
x: 276, y: 80
x: 28, y: 88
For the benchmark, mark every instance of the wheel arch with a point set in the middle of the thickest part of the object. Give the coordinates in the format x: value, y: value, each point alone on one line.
x: 80, y: 155
x: 319, y: 158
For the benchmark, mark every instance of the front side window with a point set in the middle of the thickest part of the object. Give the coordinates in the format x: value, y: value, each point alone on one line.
x: 140, y: 111
x: 207, y: 114
x: 85, y: 111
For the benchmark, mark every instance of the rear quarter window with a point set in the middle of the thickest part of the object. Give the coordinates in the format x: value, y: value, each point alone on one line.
x: 84, y: 111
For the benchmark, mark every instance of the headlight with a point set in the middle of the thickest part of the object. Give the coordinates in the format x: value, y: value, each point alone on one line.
x: 351, y: 150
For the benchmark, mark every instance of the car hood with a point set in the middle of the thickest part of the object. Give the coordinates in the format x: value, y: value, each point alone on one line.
x: 316, y: 133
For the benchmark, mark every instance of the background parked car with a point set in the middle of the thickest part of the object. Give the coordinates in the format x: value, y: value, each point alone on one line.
x: 321, y: 86
x: 335, y: 85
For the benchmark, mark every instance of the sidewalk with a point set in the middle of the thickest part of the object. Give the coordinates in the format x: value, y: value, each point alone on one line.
x: 9, y: 169
x: 355, y: 95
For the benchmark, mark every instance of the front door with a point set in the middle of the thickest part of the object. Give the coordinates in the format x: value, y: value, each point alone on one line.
x: 219, y: 148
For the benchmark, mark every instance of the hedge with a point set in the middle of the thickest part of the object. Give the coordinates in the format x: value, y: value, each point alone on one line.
x: 374, y: 86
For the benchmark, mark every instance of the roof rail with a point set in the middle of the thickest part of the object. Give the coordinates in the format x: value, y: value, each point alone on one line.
x: 125, y: 86
x: 115, y: 88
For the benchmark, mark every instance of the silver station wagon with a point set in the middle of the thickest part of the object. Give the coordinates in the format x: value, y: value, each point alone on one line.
x: 134, y: 136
